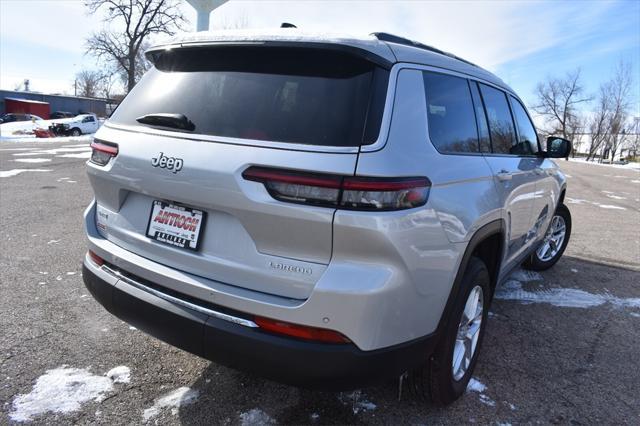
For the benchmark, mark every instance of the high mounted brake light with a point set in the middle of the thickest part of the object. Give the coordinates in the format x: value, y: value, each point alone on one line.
x: 102, y: 152
x: 343, y: 192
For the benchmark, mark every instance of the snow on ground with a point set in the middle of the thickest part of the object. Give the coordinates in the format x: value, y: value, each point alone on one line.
x: 357, y: 400
x: 476, y: 385
x: 15, y: 172
x: 32, y: 160
x: 512, y: 289
x: 602, y: 206
x: 120, y: 374
x: 173, y: 400
x: 31, y: 138
x: 64, y: 390
x: 628, y: 166
x: 256, y: 417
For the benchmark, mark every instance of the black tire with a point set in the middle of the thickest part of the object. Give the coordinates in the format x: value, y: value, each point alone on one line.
x: 436, y: 380
x: 75, y: 132
x: 534, y: 263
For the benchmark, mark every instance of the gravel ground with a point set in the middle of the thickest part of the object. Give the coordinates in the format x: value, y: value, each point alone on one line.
x: 561, y: 346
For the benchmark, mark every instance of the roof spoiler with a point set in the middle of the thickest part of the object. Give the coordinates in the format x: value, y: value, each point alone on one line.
x: 156, y: 52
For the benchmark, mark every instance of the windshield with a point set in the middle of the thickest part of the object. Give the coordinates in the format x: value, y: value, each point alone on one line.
x: 295, y: 95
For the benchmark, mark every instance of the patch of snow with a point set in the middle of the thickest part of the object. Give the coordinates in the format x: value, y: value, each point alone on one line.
x: 513, y: 407
x: 314, y: 416
x: 608, y: 206
x: 132, y: 328
x: 513, y: 289
x: 173, y: 400
x: 53, y: 241
x: 574, y: 270
x: 357, y: 400
x: 616, y: 197
x: 120, y: 374
x: 633, y: 314
x: 576, y: 201
x: 61, y: 390
x: 476, y: 385
x: 76, y: 155
x: 628, y: 166
x: 14, y: 172
x: 71, y: 273
x: 256, y: 417
x: 487, y: 401
x: 32, y: 160
x: 59, y: 278
x: 635, y: 181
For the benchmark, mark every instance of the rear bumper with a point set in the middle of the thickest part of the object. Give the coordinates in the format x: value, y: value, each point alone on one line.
x: 247, y: 348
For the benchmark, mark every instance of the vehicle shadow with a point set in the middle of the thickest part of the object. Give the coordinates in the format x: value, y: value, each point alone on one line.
x: 543, y: 350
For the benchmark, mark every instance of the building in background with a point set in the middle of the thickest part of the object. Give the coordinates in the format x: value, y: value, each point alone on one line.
x: 10, y: 100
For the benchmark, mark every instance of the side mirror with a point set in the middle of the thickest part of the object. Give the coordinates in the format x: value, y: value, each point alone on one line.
x: 558, y: 147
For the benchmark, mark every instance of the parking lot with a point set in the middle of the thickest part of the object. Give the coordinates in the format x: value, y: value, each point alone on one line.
x: 561, y: 346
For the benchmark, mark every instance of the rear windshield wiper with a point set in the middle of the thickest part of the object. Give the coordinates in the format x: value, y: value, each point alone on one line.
x: 175, y: 121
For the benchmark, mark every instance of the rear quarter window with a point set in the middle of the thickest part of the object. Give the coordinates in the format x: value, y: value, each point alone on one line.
x: 450, y: 115
x: 290, y: 95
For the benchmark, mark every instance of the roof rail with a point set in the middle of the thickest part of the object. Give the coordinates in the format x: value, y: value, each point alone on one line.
x: 407, y: 42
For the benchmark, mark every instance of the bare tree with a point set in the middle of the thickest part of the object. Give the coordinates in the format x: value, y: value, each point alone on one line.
x: 619, y: 93
x: 88, y: 83
x: 599, y: 123
x: 135, y: 21
x: 558, y: 99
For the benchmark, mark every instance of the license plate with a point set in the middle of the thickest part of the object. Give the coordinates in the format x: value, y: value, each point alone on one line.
x: 175, y: 225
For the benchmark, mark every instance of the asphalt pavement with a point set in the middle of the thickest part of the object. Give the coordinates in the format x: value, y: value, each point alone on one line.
x: 561, y: 347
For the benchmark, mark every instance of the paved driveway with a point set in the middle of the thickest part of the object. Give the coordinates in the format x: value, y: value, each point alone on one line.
x: 561, y: 347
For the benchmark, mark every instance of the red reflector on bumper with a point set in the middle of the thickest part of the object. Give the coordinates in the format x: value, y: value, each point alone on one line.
x: 96, y: 259
x: 300, y: 331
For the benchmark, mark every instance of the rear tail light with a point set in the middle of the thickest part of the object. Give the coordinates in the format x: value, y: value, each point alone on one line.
x: 300, y: 331
x: 344, y: 192
x: 102, y: 152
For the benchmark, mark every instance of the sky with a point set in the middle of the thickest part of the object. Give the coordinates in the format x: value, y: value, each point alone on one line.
x: 523, y: 42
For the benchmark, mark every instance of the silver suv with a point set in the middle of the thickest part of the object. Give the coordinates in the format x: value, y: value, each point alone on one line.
x: 323, y: 211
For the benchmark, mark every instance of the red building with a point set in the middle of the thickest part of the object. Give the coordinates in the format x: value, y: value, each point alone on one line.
x: 27, y: 106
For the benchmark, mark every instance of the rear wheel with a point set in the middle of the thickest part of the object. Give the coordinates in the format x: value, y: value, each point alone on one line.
x: 555, y: 241
x: 445, y: 378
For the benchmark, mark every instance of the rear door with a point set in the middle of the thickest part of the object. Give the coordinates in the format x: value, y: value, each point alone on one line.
x: 281, y: 108
x: 513, y: 166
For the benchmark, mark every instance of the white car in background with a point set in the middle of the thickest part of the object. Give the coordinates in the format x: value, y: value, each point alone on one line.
x: 78, y: 125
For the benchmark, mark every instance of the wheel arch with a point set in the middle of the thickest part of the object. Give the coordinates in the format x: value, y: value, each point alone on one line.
x: 487, y: 243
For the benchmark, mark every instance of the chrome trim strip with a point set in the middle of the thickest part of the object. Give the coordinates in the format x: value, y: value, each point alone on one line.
x: 183, y: 303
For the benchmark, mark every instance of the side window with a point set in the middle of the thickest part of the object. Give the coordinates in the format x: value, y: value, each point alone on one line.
x: 503, y: 135
x: 527, y: 136
x: 451, y: 121
x: 481, y: 118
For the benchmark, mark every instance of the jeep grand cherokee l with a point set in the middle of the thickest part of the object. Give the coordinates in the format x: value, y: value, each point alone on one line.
x: 325, y: 211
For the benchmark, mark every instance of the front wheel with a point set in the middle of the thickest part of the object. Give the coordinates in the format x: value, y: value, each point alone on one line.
x: 555, y: 242
x: 75, y: 132
x: 445, y: 378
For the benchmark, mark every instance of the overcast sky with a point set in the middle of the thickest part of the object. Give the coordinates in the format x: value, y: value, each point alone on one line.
x: 521, y: 41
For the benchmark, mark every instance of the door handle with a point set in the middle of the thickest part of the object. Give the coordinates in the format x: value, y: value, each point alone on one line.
x: 504, y: 175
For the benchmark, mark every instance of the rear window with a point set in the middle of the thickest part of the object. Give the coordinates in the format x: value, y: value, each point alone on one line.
x: 291, y: 95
